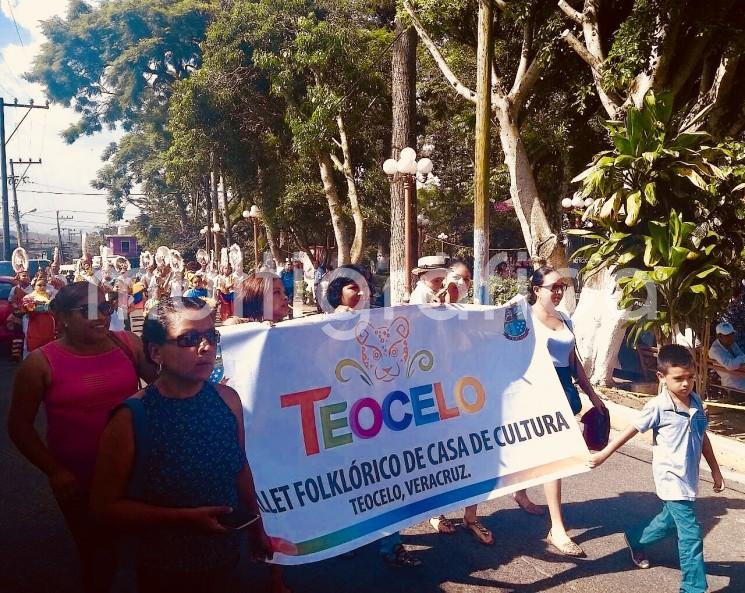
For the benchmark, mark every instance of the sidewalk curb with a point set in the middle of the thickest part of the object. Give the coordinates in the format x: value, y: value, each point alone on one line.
x: 730, y: 452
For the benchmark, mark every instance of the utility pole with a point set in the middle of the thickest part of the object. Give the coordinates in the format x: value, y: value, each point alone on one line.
x: 481, y: 170
x: 60, y: 245
x: 4, y: 166
x: 16, y: 182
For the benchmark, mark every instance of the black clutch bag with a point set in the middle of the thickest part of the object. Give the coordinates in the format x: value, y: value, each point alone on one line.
x: 596, y: 429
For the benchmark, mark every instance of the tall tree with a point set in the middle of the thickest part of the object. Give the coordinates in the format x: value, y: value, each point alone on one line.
x: 652, y: 45
x: 142, y: 48
x: 527, y: 26
x: 665, y: 45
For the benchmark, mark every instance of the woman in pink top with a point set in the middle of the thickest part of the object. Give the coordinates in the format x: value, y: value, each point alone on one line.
x: 79, y: 378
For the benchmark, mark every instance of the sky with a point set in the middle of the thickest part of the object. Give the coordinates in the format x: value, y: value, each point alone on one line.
x: 66, y: 169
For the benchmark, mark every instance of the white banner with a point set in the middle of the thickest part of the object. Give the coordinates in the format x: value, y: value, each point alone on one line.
x: 358, y: 425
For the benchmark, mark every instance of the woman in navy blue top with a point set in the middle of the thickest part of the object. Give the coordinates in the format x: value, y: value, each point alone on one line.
x: 172, y: 467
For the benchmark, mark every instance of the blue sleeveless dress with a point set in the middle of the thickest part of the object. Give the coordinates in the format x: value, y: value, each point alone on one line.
x: 187, y: 456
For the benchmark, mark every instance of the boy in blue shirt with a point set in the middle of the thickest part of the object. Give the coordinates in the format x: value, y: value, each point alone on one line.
x: 677, y: 419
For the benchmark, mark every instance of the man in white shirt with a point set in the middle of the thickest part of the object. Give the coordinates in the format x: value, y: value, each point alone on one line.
x: 728, y: 354
x: 431, y: 272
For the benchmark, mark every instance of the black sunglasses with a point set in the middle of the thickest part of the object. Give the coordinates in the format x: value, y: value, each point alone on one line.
x: 104, y: 308
x: 194, y: 338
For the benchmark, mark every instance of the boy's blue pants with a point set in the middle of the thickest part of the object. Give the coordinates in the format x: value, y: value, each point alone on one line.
x: 680, y: 516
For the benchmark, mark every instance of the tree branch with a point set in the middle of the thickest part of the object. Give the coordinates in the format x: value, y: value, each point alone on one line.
x: 688, y: 63
x: 657, y: 73
x: 523, y: 87
x: 738, y: 123
x: 711, y: 102
x: 497, y: 87
x: 338, y: 165
x: 525, y: 52
x: 575, y: 15
x: 442, y: 64
x: 591, y: 52
x: 579, y: 48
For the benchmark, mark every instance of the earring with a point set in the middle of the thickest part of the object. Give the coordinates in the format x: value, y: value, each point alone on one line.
x: 160, y: 368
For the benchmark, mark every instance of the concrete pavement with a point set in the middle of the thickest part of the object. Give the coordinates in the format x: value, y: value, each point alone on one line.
x: 37, y: 556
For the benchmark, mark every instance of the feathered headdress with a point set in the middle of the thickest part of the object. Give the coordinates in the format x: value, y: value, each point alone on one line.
x: 176, y: 261
x: 19, y: 260
x: 236, y: 259
x: 203, y: 258
x: 224, y: 261
x: 55, y: 261
x: 105, y: 253
x: 162, y: 256
x: 122, y: 264
x: 146, y: 259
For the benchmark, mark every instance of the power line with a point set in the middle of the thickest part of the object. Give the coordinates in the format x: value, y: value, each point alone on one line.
x: 66, y: 193
x: 13, y: 16
x: 43, y: 218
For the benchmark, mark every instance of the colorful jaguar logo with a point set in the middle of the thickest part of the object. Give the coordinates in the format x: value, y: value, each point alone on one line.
x: 384, y: 353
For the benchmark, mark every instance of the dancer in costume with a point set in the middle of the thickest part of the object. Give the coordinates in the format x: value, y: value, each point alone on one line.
x: 146, y: 269
x: 19, y: 261
x: 224, y: 287
x: 159, y: 286
x: 55, y: 278
x: 40, y: 328
x: 206, y: 267
x: 176, y: 283
x: 84, y: 268
x: 121, y: 285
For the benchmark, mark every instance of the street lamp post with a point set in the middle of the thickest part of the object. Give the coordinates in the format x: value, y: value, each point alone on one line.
x: 408, y: 170
x: 204, y: 231
x: 422, y: 222
x: 572, y: 207
x: 254, y: 214
x: 442, y: 237
x: 215, y: 237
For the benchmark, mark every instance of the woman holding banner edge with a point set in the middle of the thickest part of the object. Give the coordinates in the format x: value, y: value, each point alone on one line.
x: 172, y: 466
x: 546, y: 289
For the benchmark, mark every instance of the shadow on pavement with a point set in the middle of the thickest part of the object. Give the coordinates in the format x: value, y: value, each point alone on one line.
x: 462, y: 563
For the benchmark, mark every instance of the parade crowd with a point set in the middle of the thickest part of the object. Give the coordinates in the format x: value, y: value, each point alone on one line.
x: 144, y: 444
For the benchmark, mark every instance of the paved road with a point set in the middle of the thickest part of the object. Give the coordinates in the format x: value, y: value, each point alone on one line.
x: 36, y: 554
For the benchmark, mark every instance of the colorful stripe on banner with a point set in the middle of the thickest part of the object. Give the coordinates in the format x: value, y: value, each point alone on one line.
x: 342, y: 536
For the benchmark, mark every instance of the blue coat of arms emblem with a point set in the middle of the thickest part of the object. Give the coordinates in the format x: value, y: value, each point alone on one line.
x: 515, y: 326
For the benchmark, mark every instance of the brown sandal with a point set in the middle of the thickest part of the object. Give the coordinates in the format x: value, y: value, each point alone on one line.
x: 480, y: 532
x: 568, y: 548
x: 401, y: 558
x: 529, y: 506
x: 442, y: 524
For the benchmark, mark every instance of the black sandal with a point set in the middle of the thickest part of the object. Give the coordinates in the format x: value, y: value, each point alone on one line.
x: 400, y: 557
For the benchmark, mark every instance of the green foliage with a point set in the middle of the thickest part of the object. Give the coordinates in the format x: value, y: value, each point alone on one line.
x: 664, y: 206
x: 111, y: 61
x: 502, y: 290
x: 116, y: 64
x: 632, y: 44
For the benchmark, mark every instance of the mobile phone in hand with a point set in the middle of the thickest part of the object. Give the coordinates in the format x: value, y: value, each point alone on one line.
x: 238, y: 519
